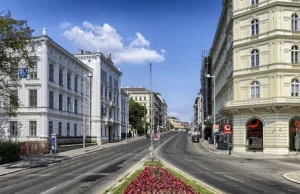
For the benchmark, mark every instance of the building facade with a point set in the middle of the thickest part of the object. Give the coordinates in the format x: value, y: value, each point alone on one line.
x: 176, y: 123
x: 256, y: 67
x: 156, y: 115
x: 106, y: 96
x: 198, y: 111
x: 53, y: 98
x: 124, y: 114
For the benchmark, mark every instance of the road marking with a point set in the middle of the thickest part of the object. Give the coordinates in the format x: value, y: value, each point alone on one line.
x: 187, y: 160
x: 163, y: 144
x: 48, y: 190
x: 234, y: 179
x: 7, y: 187
x: 203, y: 167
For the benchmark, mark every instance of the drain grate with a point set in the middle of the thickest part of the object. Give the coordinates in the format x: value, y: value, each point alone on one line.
x: 92, y: 178
x: 113, y: 168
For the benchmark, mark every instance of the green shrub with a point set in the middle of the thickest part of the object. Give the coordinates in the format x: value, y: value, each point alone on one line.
x: 9, y: 151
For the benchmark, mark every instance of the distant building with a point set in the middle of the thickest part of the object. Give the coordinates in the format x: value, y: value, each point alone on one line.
x: 198, y: 111
x: 177, y: 123
x: 142, y: 96
x: 124, y: 114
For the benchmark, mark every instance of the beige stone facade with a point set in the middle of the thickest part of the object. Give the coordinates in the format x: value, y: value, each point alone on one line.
x: 255, y: 57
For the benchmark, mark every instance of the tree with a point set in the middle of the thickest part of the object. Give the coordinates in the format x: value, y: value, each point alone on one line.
x: 136, y: 115
x: 171, y: 126
x: 16, y: 50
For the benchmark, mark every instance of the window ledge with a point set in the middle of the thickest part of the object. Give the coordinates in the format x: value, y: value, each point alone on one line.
x: 32, y: 136
x: 254, y: 67
x: 254, y: 36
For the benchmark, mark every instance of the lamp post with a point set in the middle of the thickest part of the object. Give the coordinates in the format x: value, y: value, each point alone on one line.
x: 145, y: 120
x: 214, y: 89
x: 84, y: 113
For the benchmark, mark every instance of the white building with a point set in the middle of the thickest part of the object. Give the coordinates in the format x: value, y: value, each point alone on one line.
x: 255, y: 61
x: 124, y: 114
x: 198, y: 111
x: 106, y: 96
x: 52, y: 98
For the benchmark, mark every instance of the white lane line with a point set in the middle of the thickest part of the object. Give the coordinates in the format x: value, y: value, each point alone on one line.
x: 234, y: 179
x: 7, y: 187
x: 48, y: 190
x: 203, y: 167
x: 187, y: 160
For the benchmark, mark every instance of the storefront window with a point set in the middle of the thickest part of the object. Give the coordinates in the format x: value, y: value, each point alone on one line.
x: 254, y: 134
x: 295, y: 134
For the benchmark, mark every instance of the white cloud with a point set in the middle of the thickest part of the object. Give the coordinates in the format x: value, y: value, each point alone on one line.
x: 90, y: 37
x: 65, y: 25
x: 163, y: 51
x: 174, y: 114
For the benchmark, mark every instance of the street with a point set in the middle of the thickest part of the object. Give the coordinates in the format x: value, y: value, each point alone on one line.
x: 228, y: 173
x: 88, y: 173
x: 93, y: 172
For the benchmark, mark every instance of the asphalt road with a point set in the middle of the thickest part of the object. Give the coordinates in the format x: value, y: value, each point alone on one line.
x: 228, y: 173
x: 90, y: 173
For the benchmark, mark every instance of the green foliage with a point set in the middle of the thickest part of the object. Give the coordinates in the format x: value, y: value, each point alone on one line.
x: 9, y: 151
x: 171, y: 126
x: 123, y: 186
x: 136, y: 116
x: 16, y: 50
x: 152, y: 163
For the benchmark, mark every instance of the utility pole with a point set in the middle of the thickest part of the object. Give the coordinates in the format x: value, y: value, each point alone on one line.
x: 145, y: 120
x: 152, y: 115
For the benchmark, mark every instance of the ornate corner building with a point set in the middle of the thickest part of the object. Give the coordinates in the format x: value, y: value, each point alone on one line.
x: 255, y: 61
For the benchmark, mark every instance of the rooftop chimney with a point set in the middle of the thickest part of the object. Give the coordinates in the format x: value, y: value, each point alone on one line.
x: 98, y: 50
x: 80, y: 51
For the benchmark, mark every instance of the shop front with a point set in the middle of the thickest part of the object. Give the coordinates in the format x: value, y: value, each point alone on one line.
x: 254, y: 138
x: 294, y: 128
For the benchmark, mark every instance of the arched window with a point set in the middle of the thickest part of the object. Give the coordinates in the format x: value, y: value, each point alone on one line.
x: 294, y: 54
x: 255, y: 90
x: 254, y: 27
x: 295, y: 88
x: 254, y: 2
x: 254, y: 58
x: 294, y: 22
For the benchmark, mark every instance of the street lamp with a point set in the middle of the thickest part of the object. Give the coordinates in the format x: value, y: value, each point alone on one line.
x: 145, y: 120
x: 214, y: 89
x: 84, y: 113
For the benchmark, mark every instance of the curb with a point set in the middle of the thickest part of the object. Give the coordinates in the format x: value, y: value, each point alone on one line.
x: 201, y: 183
x: 285, y: 176
x: 26, y: 168
x: 209, y: 149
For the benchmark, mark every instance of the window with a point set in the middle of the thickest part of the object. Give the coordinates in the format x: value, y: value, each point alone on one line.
x: 75, y: 129
x: 110, y: 113
x: 61, y: 77
x: 102, y: 94
x: 103, y: 76
x: 254, y: 2
x: 32, y: 98
x: 59, y: 129
x: 116, y: 84
x: 69, y: 104
x: 140, y: 98
x: 76, y: 84
x: 144, y: 97
x: 32, y: 72
x: 60, y: 102
x: 254, y: 27
x: 50, y: 128
x: 76, y: 106
x: 32, y: 128
x: 255, y: 90
x: 255, y: 58
x: 103, y: 110
x: 69, y: 80
x: 51, y: 72
x: 82, y: 85
x: 110, y: 81
x: 295, y: 88
x: 14, y: 99
x: 51, y: 99
x: 109, y: 95
x: 68, y: 129
x: 294, y: 55
x: 13, y: 128
x: 294, y: 22
x: 105, y: 94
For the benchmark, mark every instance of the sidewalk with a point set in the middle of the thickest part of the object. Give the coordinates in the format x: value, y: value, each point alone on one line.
x: 222, y: 149
x: 32, y: 161
x: 292, y: 176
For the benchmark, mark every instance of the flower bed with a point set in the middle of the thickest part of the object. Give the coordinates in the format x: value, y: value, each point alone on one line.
x: 157, y: 180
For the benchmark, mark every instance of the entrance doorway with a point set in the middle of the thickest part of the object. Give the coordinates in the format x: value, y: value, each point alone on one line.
x: 254, y: 138
x: 110, y: 134
x: 294, y: 128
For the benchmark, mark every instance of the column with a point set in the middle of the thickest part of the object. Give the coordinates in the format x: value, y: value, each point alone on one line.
x: 43, y: 92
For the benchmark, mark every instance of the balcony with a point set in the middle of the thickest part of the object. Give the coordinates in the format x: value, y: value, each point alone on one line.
x: 111, y: 104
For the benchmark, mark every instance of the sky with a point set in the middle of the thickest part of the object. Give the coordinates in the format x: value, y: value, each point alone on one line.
x: 170, y: 34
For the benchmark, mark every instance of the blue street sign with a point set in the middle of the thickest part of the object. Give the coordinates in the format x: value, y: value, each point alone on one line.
x: 53, y: 145
x: 22, y: 72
